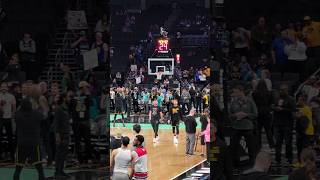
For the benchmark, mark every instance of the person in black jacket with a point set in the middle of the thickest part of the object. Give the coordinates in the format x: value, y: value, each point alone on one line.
x: 28, y: 138
x: 81, y: 122
x: 260, y: 168
x: 62, y: 128
x: 263, y: 100
x: 119, y: 109
x: 135, y: 100
x: 191, y: 130
x: 283, y: 118
x: 176, y: 116
x: 219, y: 157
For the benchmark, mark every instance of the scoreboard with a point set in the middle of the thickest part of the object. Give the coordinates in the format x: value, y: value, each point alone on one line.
x: 163, y: 45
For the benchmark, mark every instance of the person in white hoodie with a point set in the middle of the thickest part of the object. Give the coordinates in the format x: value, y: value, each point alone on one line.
x: 297, y: 57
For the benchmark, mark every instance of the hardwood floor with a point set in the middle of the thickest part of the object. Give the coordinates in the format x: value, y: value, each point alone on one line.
x: 165, y: 160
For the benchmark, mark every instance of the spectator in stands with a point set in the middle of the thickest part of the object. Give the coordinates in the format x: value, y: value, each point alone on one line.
x: 279, y: 57
x: 204, y: 122
x: 7, y: 111
x: 308, y: 171
x: 81, y: 46
x: 260, y: 168
x: 292, y: 32
x: 263, y: 100
x: 102, y: 24
x: 297, y: 57
x: 28, y: 123
x: 104, y: 99
x: 14, y: 68
x: 81, y: 122
x: 3, y: 57
x: 283, y: 109
x: 67, y: 82
x: 221, y: 161
x: 277, y: 30
x: 311, y: 36
x: 185, y: 101
x: 261, y: 37
x: 243, y: 113
x: 17, y: 93
x: 62, y: 130
x: 304, y: 125
x: 100, y: 45
x: 27, y: 48
x: 241, y: 40
x: 310, y: 89
x: 315, y: 106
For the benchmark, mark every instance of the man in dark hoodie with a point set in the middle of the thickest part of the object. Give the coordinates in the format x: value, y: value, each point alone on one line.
x: 260, y: 168
x: 28, y: 123
x: 62, y: 128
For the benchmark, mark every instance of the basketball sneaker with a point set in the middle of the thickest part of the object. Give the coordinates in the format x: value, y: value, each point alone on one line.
x: 154, y: 140
x: 175, y: 140
x: 157, y: 139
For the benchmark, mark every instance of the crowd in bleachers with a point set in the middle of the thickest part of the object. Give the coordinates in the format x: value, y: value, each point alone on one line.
x: 250, y: 59
x: 87, y: 106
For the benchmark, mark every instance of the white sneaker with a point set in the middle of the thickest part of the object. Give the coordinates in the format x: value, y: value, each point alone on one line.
x: 175, y: 140
x: 157, y: 139
x: 154, y: 140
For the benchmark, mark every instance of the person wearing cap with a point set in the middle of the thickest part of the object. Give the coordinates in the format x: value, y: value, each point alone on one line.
x: 7, y: 111
x: 311, y: 36
x: 81, y: 121
x: 81, y: 46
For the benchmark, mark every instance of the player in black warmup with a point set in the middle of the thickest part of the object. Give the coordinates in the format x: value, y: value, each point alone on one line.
x: 176, y: 116
x: 155, y: 114
x: 28, y: 136
x: 118, y: 107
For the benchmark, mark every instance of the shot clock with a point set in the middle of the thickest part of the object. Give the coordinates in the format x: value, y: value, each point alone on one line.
x: 163, y: 46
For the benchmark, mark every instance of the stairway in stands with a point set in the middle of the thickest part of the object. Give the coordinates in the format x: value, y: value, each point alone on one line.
x: 61, y: 52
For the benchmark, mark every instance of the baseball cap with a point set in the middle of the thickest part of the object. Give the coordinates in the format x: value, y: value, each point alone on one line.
x: 83, y: 84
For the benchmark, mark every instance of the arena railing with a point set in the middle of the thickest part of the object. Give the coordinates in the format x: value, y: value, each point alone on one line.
x: 304, y: 83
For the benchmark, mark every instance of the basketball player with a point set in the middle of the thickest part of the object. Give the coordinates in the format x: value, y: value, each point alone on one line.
x: 140, y: 160
x: 118, y: 107
x: 155, y: 114
x: 176, y: 116
x: 120, y: 161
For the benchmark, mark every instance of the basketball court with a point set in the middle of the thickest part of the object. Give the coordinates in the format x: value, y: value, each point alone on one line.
x: 165, y: 159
